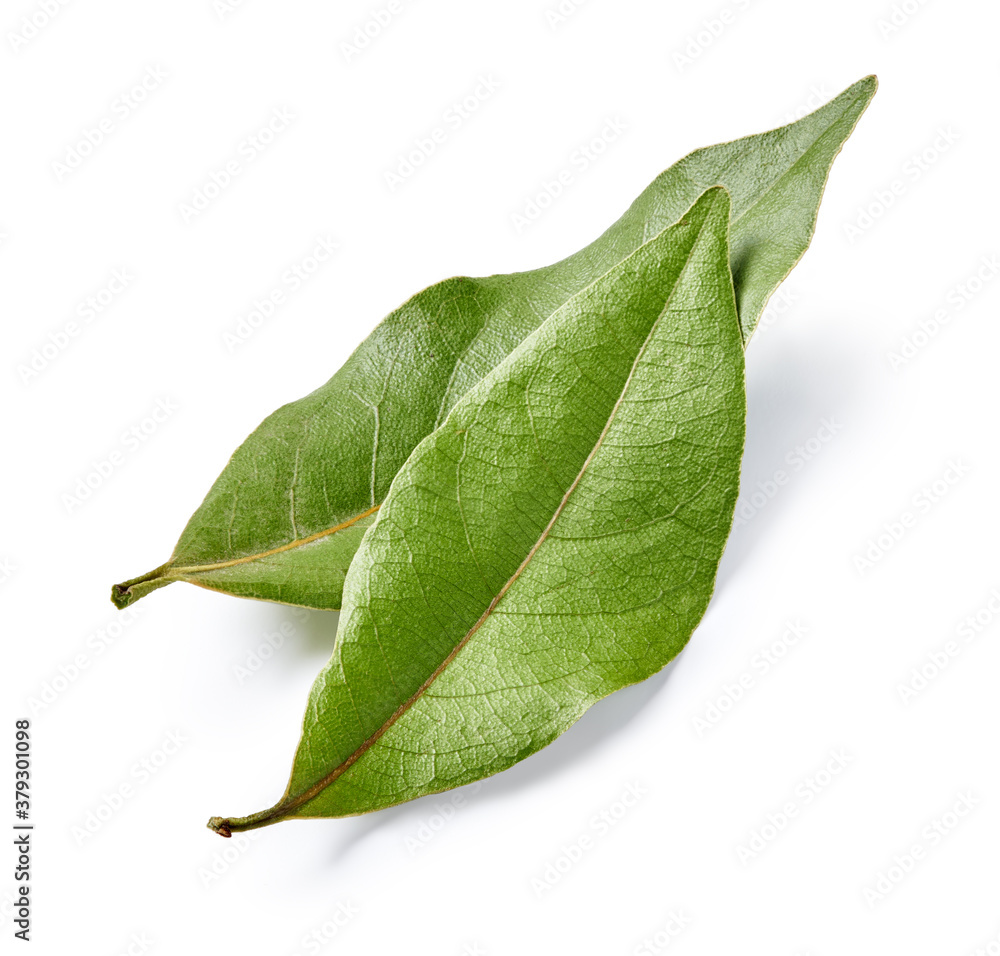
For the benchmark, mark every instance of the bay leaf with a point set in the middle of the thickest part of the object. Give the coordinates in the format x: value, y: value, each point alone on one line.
x: 285, y: 517
x: 554, y: 540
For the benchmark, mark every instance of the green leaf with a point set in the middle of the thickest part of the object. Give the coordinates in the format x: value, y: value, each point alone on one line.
x: 285, y: 517
x: 556, y: 539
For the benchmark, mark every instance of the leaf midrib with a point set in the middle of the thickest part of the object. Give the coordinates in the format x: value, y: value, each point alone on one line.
x: 328, y: 532
x: 288, y: 546
x: 284, y: 808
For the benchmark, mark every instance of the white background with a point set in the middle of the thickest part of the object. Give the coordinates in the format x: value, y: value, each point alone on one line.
x: 152, y: 871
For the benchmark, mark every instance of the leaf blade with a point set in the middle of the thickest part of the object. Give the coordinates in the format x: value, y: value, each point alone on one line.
x: 460, y: 589
x: 351, y: 436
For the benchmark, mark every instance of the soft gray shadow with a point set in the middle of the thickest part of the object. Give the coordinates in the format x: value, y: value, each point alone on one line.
x: 316, y: 633
x: 792, y: 385
x: 598, y: 727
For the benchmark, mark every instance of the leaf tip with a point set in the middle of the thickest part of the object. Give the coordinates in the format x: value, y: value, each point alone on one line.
x: 221, y: 826
x: 868, y: 83
x: 714, y: 203
x: 864, y: 89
